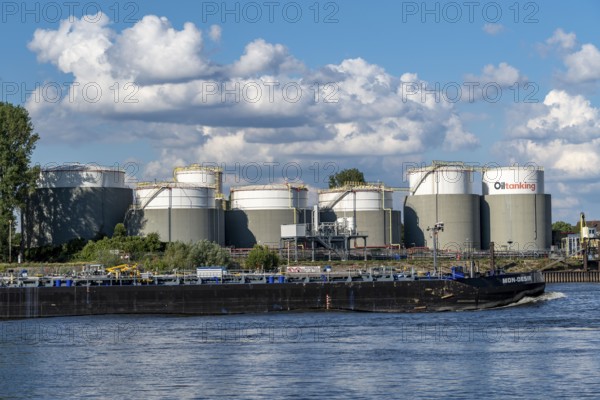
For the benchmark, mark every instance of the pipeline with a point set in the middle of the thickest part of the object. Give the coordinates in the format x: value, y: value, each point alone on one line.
x: 389, y: 210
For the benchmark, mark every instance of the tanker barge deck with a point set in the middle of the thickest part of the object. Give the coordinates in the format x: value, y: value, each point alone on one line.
x: 27, y: 297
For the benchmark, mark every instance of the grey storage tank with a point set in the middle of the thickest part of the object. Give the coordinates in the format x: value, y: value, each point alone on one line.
x: 188, y: 210
x: 442, y: 192
x: 515, y: 212
x: 257, y: 212
x: 76, y: 201
x: 366, y: 208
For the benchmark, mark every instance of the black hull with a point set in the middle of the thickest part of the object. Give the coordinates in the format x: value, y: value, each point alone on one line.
x: 212, y: 299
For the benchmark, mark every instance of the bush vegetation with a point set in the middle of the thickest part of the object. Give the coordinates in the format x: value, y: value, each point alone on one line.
x: 147, y: 251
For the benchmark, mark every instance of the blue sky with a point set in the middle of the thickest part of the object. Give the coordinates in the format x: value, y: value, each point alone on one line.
x: 162, y: 67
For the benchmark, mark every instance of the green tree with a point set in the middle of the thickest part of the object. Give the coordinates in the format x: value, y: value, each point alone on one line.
x: 562, y: 226
x: 120, y: 231
x: 176, y: 255
x: 17, y: 178
x: 205, y: 253
x: 345, y: 176
x: 153, y: 242
x: 260, y: 257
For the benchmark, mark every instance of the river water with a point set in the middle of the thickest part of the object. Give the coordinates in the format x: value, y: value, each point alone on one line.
x: 548, y: 347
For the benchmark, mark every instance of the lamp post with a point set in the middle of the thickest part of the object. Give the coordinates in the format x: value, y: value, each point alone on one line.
x: 439, y: 226
x: 9, y: 241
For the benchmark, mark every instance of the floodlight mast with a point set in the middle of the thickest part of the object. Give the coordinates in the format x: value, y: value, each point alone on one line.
x: 439, y: 226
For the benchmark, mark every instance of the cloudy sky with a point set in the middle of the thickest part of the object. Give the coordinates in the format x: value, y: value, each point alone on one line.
x: 298, y: 90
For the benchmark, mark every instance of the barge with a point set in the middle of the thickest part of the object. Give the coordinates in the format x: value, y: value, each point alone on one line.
x: 34, y: 297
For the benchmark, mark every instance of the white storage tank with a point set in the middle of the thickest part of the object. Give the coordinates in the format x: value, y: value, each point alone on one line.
x: 367, y: 208
x: 359, y: 198
x: 75, y: 201
x: 513, y: 180
x: 515, y: 211
x: 81, y: 176
x: 200, y: 176
x: 442, y: 179
x: 178, y: 212
x: 157, y: 196
x: 257, y: 212
x: 442, y: 192
x: 269, y: 197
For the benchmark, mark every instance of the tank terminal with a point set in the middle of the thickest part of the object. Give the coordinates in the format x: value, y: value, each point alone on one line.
x: 513, y: 211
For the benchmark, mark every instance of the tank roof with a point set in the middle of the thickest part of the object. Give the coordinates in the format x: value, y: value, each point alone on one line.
x: 359, y: 186
x: 198, y: 167
x: 276, y: 186
x: 165, y: 184
x: 81, y: 168
x: 437, y: 165
x: 528, y: 167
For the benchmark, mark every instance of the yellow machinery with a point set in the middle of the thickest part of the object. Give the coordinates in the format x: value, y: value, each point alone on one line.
x: 124, y: 270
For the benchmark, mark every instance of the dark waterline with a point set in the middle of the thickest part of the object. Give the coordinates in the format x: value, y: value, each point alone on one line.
x: 545, y: 348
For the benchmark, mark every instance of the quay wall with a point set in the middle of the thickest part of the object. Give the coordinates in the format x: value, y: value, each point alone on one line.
x: 571, y: 276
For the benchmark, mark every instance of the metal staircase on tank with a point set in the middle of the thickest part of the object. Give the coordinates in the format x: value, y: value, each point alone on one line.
x: 325, y: 235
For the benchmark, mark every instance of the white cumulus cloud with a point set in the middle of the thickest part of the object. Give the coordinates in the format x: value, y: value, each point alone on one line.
x: 562, y: 134
x: 260, y: 57
x: 152, y: 50
x: 583, y: 65
x: 571, y: 117
x: 215, y: 33
x: 504, y: 75
x: 562, y: 39
x: 265, y: 106
x: 493, y: 28
x: 77, y: 47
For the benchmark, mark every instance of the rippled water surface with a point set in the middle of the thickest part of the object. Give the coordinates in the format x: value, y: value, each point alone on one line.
x: 547, y: 347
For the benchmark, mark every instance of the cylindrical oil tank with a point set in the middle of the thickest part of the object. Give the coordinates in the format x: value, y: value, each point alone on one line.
x: 200, y: 176
x: 178, y: 211
x: 442, y: 193
x: 257, y: 212
x: 76, y: 201
x: 367, y: 198
x: 368, y: 209
x: 441, y: 179
x: 515, y: 212
x: 174, y: 195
